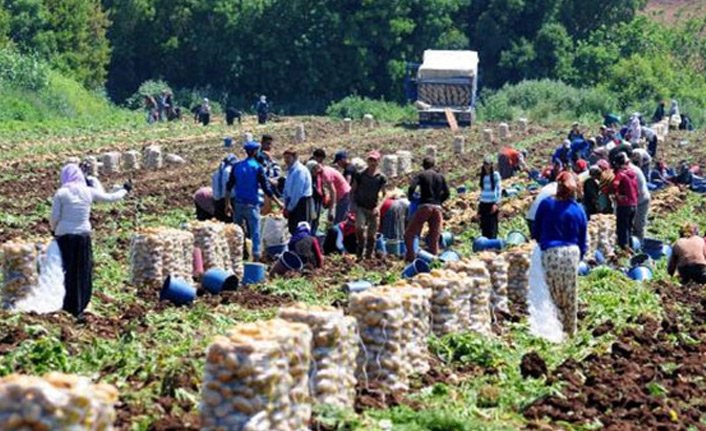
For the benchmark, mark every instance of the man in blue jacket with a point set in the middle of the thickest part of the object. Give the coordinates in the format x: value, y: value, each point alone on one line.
x: 247, y: 177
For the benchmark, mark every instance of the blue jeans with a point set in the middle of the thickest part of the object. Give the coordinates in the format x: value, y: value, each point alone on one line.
x: 343, y: 206
x: 250, y: 214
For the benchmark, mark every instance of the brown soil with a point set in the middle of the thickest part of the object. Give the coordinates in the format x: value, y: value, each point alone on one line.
x: 533, y: 365
x: 653, y: 377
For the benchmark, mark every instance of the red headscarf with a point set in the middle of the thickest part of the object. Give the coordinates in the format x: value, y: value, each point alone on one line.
x: 566, y: 186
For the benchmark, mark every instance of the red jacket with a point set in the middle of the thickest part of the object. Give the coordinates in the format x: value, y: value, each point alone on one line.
x: 625, y: 188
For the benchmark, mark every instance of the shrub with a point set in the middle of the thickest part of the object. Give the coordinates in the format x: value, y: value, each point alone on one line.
x: 22, y: 71
x: 152, y: 87
x: 356, y: 107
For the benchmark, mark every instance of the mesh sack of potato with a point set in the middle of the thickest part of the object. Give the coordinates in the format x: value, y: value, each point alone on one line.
x: 178, y: 253
x: 153, y: 157
x: 20, y: 274
x: 131, y: 160
x: 389, y: 165
x: 111, y: 162
x: 382, y: 358
x: 416, y: 303
x: 480, y: 290
x: 146, y: 258
x: 255, y: 378
x: 92, y: 163
x: 235, y: 237
x: 518, y: 260
x: 498, y: 268
x: 601, y: 234
x: 56, y: 402
x: 210, y: 237
x: 450, y: 295
x: 404, y: 162
x: 334, y: 350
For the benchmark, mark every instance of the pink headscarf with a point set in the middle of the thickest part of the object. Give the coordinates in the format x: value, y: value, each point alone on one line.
x: 72, y: 177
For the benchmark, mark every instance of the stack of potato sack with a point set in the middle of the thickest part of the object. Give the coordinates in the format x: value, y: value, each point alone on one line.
x: 383, y: 356
x: 334, y: 352
x: 156, y: 253
x: 56, y: 402
x: 256, y: 378
x: 111, y: 163
x: 518, y: 260
x: 131, y: 160
x: 235, y: 237
x: 601, y: 235
x: 450, y: 300
x: 416, y: 302
x: 479, y: 300
x: 498, y: 268
x: 404, y: 162
x: 20, y: 274
x: 389, y: 165
x: 210, y: 237
x: 153, y: 157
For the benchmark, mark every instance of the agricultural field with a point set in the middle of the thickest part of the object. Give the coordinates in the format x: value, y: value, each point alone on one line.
x: 637, y: 361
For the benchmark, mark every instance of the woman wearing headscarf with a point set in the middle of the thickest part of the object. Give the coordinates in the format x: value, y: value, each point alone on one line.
x: 306, y: 246
x: 560, y: 230
x: 70, y: 222
x: 635, y: 129
x: 489, y: 209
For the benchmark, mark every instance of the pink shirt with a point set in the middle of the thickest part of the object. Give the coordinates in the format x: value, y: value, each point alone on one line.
x: 332, y: 176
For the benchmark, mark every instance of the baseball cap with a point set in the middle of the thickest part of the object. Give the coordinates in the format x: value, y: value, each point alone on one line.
x: 340, y: 155
x: 251, y: 146
x: 375, y: 154
x: 290, y: 151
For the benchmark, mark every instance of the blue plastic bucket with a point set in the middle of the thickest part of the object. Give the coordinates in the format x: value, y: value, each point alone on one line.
x: 357, y: 286
x: 288, y: 261
x: 228, y: 142
x: 516, y: 238
x: 450, y: 256
x: 275, y: 250
x: 653, y: 248
x: 177, y: 291
x: 667, y: 252
x: 534, y: 174
x: 636, y: 247
x: 482, y: 243
x: 446, y: 240
x: 584, y: 269
x: 215, y: 279
x: 542, y: 181
x: 640, y: 273
x: 510, y: 192
x: 414, y: 268
x: 425, y: 256
x: 253, y: 272
x: 532, y: 188
x: 598, y: 255
x: 640, y: 259
x: 461, y: 190
x: 380, y: 243
x: 394, y: 247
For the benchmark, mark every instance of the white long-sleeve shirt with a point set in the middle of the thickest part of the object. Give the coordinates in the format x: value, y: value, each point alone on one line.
x: 71, y: 209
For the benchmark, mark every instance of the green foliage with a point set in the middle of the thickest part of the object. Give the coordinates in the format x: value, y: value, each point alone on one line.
x: 468, y: 348
x: 356, y: 107
x: 150, y: 87
x: 25, y: 72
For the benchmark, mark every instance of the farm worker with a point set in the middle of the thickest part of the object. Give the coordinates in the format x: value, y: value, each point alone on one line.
x: 70, y: 222
x: 642, y: 159
x: 563, y: 153
x: 262, y: 108
x: 339, y: 192
x: 151, y: 108
x: 319, y: 195
x: 205, y: 204
x: 205, y: 112
x: 575, y: 133
x: 164, y: 104
x: 233, y: 114
x: 635, y: 129
x: 652, y: 140
x: 306, y: 246
x: 319, y: 155
x: 659, y: 174
x: 689, y: 256
x: 684, y: 175
x: 341, y: 160
x: 674, y: 109
x: 273, y: 172
x: 219, y: 182
x: 560, y: 230
x: 511, y: 161
x: 547, y: 191
x: 394, y: 213
x: 298, y: 191
x: 580, y: 149
x: 605, y: 203
x: 91, y: 181
x: 614, y: 154
x: 592, y: 192
x: 341, y: 237
x: 625, y: 189
x: 581, y: 168
x: 247, y: 178
x: 488, y: 209
x: 659, y: 112
x: 433, y: 192
x: 602, y: 139
x: 367, y: 187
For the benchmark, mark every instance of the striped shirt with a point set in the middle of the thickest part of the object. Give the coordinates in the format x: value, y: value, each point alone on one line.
x: 490, y: 195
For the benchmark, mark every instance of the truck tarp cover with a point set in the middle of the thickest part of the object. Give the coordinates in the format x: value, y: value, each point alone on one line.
x: 448, y: 64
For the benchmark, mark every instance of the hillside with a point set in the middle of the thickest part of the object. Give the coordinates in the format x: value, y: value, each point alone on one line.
x: 672, y: 11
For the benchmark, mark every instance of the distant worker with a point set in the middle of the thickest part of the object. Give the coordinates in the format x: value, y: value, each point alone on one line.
x: 233, y: 114
x: 510, y: 161
x: 643, y: 203
x: 205, y: 112
x: 298, y: 191
x: 560, y: 229
x: 592, y: 192
x: 305, y: 245
x: 70, y: 221
x: 433, y: 192
x: 367, y: 187
x: 689, y: 256
x: 489, y: 207
x: 563, y: 153
x: 319, y: 155
x: 273, y: 171
x: 339, y: 193
x: 247, y: 178
x: 642, y: 159
x: 545, y: 192
x: 652, y: 140
x: 151, y: 108
x: 219, y: 187
x: 575, y: 133
x: 394, y: 213
x: 659, y: 112
x: 204, y: 203
x: 626, y: 192
x: 343, y: 162
x: 320, y: 197
x: 262, y: 107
